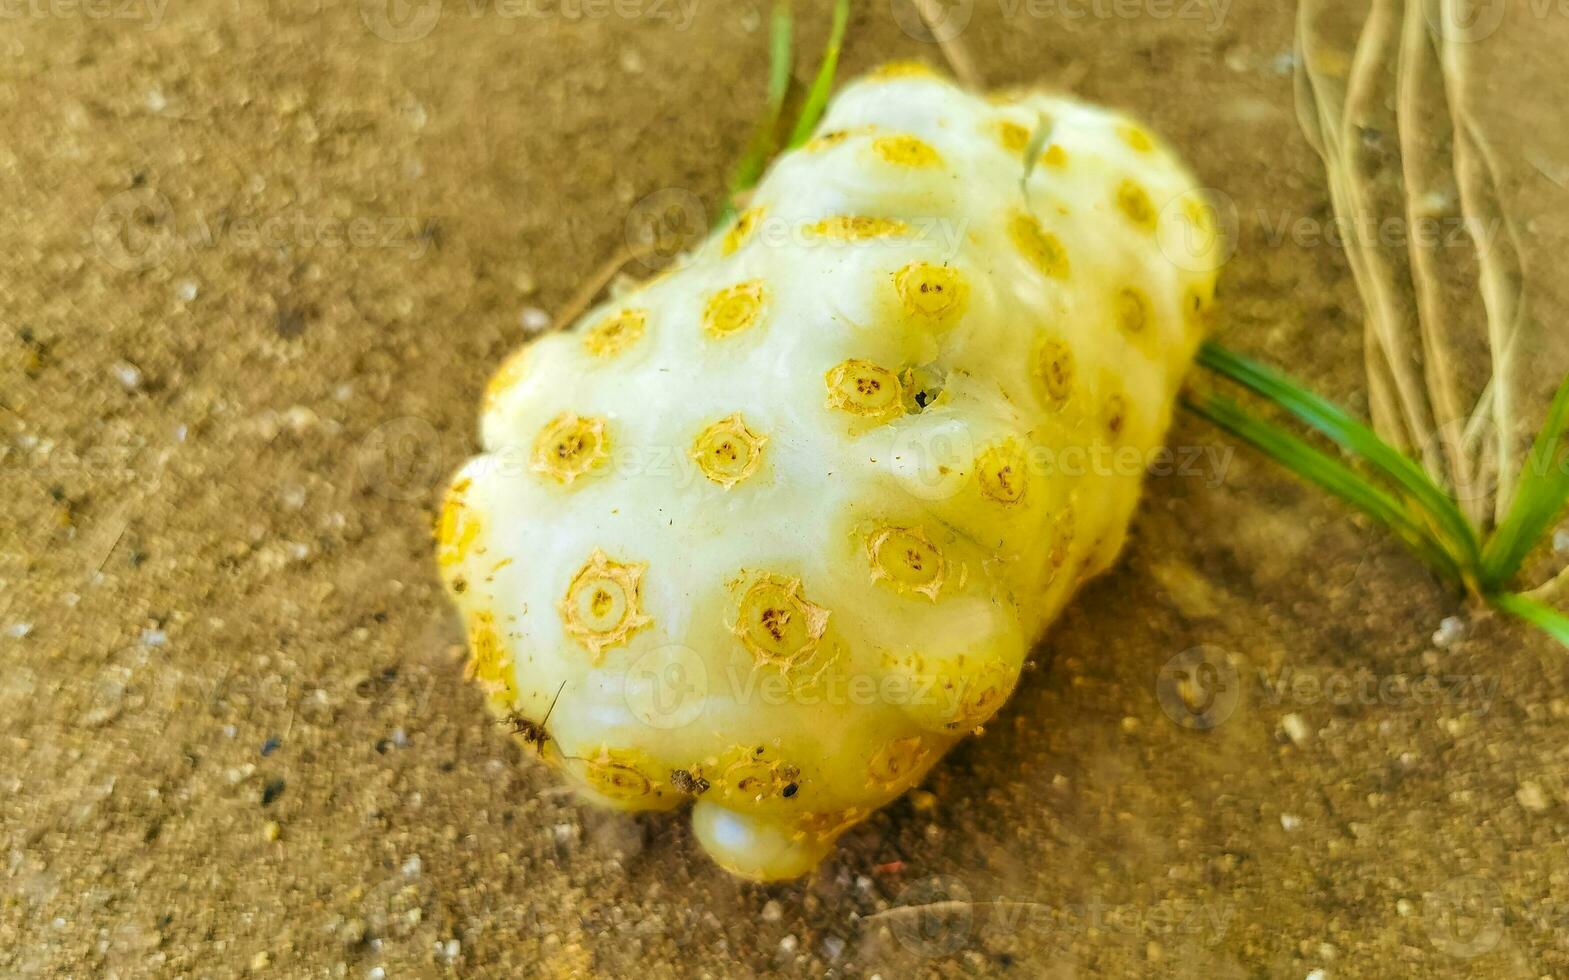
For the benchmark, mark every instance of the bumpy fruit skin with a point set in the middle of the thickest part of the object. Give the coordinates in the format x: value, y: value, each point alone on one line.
x: 773, y: 531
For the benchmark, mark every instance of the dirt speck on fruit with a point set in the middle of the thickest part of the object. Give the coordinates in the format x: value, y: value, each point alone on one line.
x: 376, y: 209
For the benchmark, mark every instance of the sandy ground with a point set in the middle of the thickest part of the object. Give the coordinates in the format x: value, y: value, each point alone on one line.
x: 260, y: 258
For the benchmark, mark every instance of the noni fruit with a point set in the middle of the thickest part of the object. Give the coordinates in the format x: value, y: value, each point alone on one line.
x: 771, y: 532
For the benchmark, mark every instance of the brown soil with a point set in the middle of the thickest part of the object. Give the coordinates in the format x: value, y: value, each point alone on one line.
x: 235, y: 737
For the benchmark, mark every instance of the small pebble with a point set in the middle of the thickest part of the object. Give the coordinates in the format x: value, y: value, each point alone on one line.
x: 772, y: 912
x: 788, y: 944
x: 1290, y: 821
x: 154, y: 638
x: 128, y: 374
x: 1561, y: 540
x: 1449, y: 630
x: 1295, y: 728
x: 186, y: 290
x: 270, y: 746
x: 923, y: 801
x: 260, y: 960
x: 534, y: 320
x: 272, y: 830
x: 1531, y: 797
x: 833, y: 947
x: 18, y: 630
x: 413, y: 866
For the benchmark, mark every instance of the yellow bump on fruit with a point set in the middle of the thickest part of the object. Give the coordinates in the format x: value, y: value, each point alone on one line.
x: 602, y: 607
x: 980, y: 696
x: 1136, y: 139
x: 457, y: 528
x: 933, y: 296
x: 829, y: 824
x: 1003, y: 472
x: 570, y: 446
x: 1055, y: 157
x: 728, y: 451
x: 1132, y: 309
x: 746, y: 775
x: 833, y: 138
x: 777, y: 624
x: 1013, y: 138
x: 904, y: 150
x: 622, y: 775
x: 906, y: 559
x: 615, y: 333
x: 866, y: 389
x: 1064, y: 526
x: 735, y: 308
x: 1134, y: 203
x: 1042, y: 248
x: 1054, y: 371
x: 853, y: 228
x: 745, y: 223
x: 901, y: 69
x: 490, y: 664
x: 1114, y: 414
x: 510, y: 373
x: 1196, y: 310
x: 898, y: 761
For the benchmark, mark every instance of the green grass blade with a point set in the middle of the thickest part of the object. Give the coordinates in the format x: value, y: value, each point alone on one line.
x: 1328, y: 473
x: 765, y: 140
x: 817, y: 95
x: 1539, y: 497
x: 1039, y: 137
x: 1339, y: 427
x: 1538, y: 614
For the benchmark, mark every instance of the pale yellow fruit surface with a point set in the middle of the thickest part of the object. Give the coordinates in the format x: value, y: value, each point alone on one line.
x: 770, y: 533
